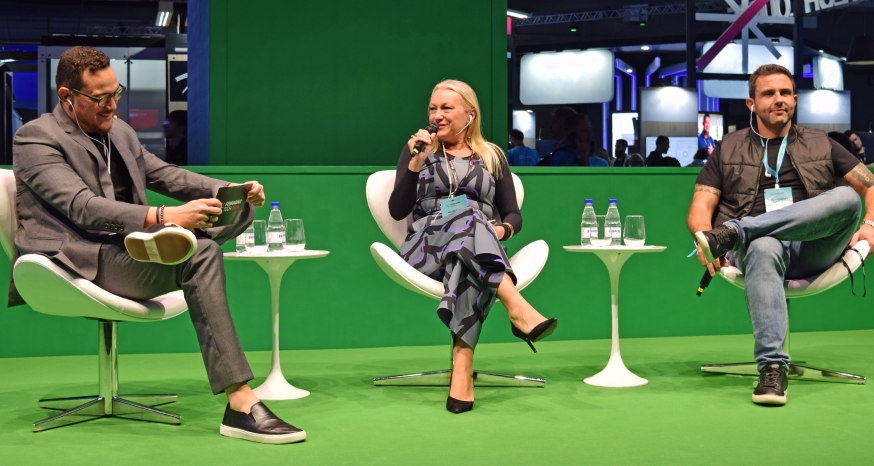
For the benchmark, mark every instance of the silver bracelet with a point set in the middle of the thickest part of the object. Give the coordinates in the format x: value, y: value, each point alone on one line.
x: 869, y: 222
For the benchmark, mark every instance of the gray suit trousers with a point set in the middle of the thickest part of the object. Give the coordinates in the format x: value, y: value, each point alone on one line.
x: 202, y: 280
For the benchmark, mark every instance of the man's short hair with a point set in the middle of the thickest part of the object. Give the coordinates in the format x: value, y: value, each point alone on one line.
x: 563, y: 112
x: 701, y: 154
x: 624, y: 142
x: 706, y: 115
x: 76, y: 60
x: 178, y: 117
x: 572, y: 121
x: 767, y: 70
x: 516, y: 134
x: 661, y: 139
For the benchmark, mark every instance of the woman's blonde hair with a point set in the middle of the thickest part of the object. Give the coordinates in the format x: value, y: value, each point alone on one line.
x: 491, y: 154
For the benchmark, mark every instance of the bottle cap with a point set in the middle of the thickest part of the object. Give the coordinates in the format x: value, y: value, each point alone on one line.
x: 612, y: 201
x: 588, y: 201
x: 274, y: 204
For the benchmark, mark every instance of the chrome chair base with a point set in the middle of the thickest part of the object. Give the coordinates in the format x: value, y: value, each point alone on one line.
x: 441, y: 379
x: 108, y: 402
x: 95, y: 407
x: 797, y: 371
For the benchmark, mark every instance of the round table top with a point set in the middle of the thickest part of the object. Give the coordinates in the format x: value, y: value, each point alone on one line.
x: 305, y: 254
x: 615, y: 248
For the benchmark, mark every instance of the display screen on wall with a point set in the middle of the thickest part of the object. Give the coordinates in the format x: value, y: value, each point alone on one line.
x: 827, y: 74
x: 624, y: 128
x: 716, y: 122
x: 681, y: 148
x: 669, y: 104
x: 823, y: 107
x: 556, y: 78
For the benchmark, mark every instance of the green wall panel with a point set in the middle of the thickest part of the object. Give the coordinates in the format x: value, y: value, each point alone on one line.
x: 345, y: 301
x: 317, y: 83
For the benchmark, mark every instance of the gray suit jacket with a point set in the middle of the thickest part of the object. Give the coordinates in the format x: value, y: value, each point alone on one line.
x: 66, y: 201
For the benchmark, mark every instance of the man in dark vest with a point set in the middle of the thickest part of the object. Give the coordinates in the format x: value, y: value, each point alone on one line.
x: 777, y: 217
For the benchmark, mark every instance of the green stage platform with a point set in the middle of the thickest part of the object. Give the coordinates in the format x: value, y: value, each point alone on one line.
x: 681, y: 417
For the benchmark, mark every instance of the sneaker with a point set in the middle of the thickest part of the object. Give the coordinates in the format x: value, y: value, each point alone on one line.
x: 259, y: 425
x: 163, y: 244
x: 772, y: 386
x: 716, y: 242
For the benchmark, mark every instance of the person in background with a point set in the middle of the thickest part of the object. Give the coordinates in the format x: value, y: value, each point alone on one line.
x: 656, y: 157
x: 600, y: 159
x: 176, y: 132
x: 705, y: 140
x: 670, y: 162
x: 557, y: 129
x: 621, y: 147
x: 700, y: 158
x: 577, y: 146
x: 519, y: 155
x: 844, y: 141
x: 858, y: 150
x: 634, y: 160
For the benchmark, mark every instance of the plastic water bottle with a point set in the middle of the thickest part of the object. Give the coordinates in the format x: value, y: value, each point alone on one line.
x: 588, y: 224
x: 275, y: 229
x: 248, y: 240
x: 241, y: 244
x: 614, y: 223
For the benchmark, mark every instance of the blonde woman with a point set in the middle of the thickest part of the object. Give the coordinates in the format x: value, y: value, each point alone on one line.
x: 453, y: 186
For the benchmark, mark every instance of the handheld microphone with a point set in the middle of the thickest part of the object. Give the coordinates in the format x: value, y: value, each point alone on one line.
x: 432, y: 129
x: 705, y: 280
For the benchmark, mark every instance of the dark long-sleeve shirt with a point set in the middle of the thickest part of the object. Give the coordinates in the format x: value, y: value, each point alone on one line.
x: 403, y: 197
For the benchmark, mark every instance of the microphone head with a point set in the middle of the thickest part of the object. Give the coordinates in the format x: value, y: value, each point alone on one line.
x: 432, y: 128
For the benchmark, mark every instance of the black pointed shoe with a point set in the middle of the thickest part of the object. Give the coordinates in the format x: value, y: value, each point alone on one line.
x: 716, y: 242
x: 259, y: 425
x: 458, y: 406
x: 541, y: 331
x: 772, y: 386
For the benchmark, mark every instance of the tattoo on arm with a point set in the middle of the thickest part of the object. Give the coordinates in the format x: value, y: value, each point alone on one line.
x: 861, y: 174
x: 707, y: 189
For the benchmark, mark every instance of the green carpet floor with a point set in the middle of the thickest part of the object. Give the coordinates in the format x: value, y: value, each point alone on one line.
x: 681, y: 417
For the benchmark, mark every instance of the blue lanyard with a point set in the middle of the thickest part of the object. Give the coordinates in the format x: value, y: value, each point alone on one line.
x: 769, y: 171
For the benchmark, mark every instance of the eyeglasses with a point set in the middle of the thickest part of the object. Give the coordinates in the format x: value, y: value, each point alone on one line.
x: 102, y: 101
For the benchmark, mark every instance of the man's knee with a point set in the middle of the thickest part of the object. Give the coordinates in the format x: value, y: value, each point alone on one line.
x: 847, y: 201
x: 766, y: 251
x: 207, y: 250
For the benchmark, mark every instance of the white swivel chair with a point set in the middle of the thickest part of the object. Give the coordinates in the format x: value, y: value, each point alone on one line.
x: 51, y: 289
x: 799, y: 289
x: 527, y: 264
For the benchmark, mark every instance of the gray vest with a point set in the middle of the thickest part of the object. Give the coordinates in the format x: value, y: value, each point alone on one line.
x: 741, y: 159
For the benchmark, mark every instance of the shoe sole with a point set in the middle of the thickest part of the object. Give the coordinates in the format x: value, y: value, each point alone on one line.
x: 705, y: 246
x: 233, y: 432
x: 770, y: 399
x: 168, y: 246
x: 549, y: 330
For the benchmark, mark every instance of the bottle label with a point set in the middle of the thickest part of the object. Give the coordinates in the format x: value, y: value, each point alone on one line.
x: 250, y: 238
x: 585, y: 232
x: 275, y: 237
x: 616, y: 232
x: 241, y: 240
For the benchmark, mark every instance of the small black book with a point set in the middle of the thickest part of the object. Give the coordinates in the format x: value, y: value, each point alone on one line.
x: 233, y: 198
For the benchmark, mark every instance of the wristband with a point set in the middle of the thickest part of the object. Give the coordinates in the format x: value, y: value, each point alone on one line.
x: 867, y: 222
x: 162, y: 215
x: 508, y: 231
x: 157, y: 218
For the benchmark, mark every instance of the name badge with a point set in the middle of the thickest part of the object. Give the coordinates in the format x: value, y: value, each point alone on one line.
x: 776, y: 199
x: 447, y: 206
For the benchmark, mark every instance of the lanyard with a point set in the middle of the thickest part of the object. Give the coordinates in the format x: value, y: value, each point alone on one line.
x: 449, y: 175
x: 769, y: 172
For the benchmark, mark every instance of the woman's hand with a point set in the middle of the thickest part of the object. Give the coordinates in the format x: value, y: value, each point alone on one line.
x: 200, y: 213
x: 417, y: 160
x: 498, y: 229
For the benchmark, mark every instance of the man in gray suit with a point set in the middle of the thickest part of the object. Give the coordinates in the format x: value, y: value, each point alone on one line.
x: 81, y: 180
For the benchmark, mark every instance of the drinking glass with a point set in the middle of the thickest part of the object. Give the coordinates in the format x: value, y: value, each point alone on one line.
x: 635, y: 232
x: 601, y: 235
x: 260, y: 246
x: 295, y: 240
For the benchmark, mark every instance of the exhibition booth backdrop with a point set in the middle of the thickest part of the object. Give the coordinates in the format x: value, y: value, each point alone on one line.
x: 346, y: 301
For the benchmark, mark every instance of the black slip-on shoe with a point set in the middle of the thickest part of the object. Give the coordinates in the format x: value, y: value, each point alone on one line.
x: 716, y: 242
x: 772, y: 386
x: 162, y: 244
x: 458, y: 406
x: 259, y: 425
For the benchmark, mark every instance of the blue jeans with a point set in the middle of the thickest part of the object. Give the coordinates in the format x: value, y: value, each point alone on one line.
x: 797, y: 241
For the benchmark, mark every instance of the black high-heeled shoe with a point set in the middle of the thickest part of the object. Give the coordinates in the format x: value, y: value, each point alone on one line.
x: 541, y: 331
x: 454, y: 405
